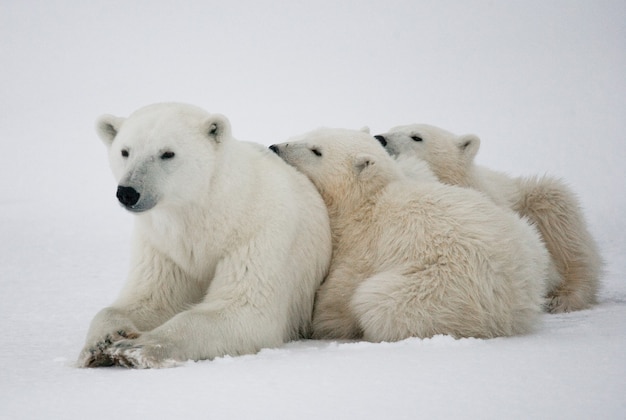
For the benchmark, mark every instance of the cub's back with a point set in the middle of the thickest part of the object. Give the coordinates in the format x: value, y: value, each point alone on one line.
x: 418, y: 220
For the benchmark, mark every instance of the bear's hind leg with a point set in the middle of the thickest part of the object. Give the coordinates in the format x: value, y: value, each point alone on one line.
x: 555, y: 211
x: 388, y: 308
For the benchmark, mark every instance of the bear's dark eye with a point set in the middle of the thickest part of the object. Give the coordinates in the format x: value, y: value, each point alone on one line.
x: 316, y: 152
x: 167, y: 155
x: 124, y: 153
x: 416, y: 138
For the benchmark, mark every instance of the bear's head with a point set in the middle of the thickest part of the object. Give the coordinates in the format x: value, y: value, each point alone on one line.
x: 346, y: 166
x: 163, y: 154
x: 449, y: 156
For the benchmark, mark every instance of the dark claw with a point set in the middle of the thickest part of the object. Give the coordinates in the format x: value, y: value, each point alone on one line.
x: 100, y: 360
x: 129, y: 335
x: 125, y: 345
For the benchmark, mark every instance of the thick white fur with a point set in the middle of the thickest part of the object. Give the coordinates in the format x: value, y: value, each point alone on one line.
x: 230, y: 243
x: 546, y: 201
x: 415, y: 258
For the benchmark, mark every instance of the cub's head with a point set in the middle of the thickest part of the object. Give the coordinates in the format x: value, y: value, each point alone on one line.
x: 344, y: 165
x: 448, y: 155
x: 163, y: 154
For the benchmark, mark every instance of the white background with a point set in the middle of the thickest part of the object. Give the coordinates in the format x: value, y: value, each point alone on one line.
x: 541, y: 82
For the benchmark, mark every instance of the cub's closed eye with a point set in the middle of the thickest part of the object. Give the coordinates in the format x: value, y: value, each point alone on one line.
x: 316, y: 152
x: 416, y: 138
x: 167, y: 155
x: 124, y: 153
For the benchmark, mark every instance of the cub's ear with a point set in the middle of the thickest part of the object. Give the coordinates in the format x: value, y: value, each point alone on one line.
x: 107, y: 127
x: 363, y: 164
x: 468, y: 146
x: 365, y: 129
x: 217, y: 127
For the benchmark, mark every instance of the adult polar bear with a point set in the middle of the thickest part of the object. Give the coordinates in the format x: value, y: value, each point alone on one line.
x: 415, y: 258
x: 547, y: 202
x: 230, y: 243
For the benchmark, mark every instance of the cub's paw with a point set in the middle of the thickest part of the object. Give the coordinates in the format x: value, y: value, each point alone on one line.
x: 95, y: 355
x: 141, y: 354
x: 561, y: 302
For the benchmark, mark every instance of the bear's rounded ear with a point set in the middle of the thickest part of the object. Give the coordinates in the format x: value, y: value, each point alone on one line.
x: 468, y: 146
x: 365, y: 129
x: 363, y: 163
x: 107, y: 127
x: 217, y: 127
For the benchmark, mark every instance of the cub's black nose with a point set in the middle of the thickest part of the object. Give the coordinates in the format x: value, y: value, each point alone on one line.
x: 381, y: 139
x: 274, y: 148
x: 128, y: 196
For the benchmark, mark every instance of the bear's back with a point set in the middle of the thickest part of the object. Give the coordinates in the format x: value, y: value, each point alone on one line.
x: 414, y: 219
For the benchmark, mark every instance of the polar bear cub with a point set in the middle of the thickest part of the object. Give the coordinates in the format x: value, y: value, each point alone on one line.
x: 414, y: 258
x: 230, y: 243
x: 547, y: 202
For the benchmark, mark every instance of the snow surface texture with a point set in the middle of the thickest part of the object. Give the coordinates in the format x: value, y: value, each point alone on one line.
x: 541, y: 82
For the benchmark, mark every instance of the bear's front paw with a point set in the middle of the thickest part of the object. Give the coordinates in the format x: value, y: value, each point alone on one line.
x: 95, y: 355
x: 141, y: 354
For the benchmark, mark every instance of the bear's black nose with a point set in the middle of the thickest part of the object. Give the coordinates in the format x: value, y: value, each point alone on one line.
x: 274, y: 148
x: 128, y: 196
x: 381, y: 139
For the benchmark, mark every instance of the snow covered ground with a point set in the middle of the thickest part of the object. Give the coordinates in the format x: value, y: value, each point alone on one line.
x: 541, y: 82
